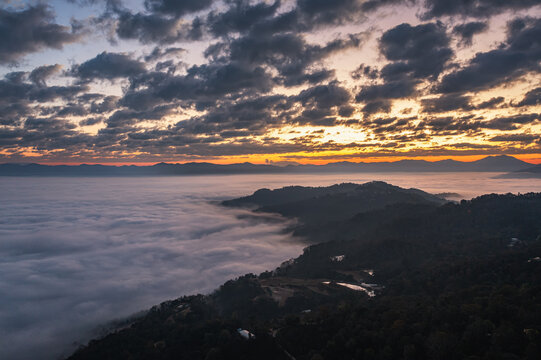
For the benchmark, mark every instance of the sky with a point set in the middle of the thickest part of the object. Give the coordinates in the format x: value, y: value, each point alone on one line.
x: 268, y: 81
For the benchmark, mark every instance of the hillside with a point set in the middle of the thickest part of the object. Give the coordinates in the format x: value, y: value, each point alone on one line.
x: 406, y: 280
x: 321, y: 205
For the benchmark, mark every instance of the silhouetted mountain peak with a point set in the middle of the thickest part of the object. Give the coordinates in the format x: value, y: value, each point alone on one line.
x: 500, y: 159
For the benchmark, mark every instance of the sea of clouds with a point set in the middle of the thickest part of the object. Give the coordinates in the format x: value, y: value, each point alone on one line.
x: 78, y: 253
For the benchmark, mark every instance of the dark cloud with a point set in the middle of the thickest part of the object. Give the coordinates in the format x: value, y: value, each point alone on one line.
x: 236, y: 68
x: 72, y: 110
x: 395, y: 89
x: 466, y: 31
x: 162, y: 21
x: 104, y: 105
x: 330, y: 12
x: 43, y: 94
x: 318, y: 106
x: 421, y: 51
x: 346, y: 110
x: 518, y: 55
x: 303, y: 77
x: 451, y: 126
x: 446, y: 103
x: 125, y: 118
x: 532, y: 98
x: 414, y: 53
x: 474, y: 125
x: 457, y: 102
x: 289, y: 54
x: 159, y: 53
x: 371, y: 5
x: 265, y: 18
x: 14, y: 88
x: 365, y: 71
x: 47, y: 134
x: 108, y: 66
x: 175, y: 7
x: 30, y: 30
x: 91, y: 121
x: 213, y: 80
x: 474, y: 8
x: 155, y: 28
x: 316, y: 117
x: 377, y: 106
x: 41, y: 73
x: 491, y: 103
x: 511, y: 122
x: 255, y: 115
x: 240, y: 17
x: 169, y: 66
x: 12, y: 114
x: 110, y: 4
x: 48, y: 124
x: 20, y: 98
x: 521, y: 138
x: 325, y: 96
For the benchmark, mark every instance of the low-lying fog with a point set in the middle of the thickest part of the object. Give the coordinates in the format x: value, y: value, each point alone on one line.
x: 77, y: 253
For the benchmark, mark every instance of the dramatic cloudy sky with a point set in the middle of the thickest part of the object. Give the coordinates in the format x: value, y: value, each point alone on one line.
x: 141, y: 81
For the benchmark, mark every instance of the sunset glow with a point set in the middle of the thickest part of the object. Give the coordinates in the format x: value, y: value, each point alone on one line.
x: 269, y: 81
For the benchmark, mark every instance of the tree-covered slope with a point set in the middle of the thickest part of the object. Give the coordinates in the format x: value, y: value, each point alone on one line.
x: 409, y: 280
x: 323, y: 204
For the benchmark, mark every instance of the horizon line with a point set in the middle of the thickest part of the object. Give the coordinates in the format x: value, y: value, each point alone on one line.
x: 271, y: 163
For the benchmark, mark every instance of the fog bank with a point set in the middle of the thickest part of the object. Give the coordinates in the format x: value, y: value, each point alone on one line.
x: 76, y: 253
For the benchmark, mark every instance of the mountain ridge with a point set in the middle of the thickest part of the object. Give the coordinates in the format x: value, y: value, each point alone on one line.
x: 501, y: 163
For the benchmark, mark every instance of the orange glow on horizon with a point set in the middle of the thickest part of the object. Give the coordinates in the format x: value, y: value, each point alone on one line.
x: 533, y: 159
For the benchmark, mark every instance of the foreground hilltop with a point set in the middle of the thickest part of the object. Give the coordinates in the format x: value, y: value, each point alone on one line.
x: 417, y: 278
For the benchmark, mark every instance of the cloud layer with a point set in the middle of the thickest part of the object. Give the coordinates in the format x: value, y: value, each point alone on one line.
x: 78, y: 253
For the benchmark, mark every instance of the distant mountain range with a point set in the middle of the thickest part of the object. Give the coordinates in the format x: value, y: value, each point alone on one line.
x: 529, y: 172
x: 501, y: 163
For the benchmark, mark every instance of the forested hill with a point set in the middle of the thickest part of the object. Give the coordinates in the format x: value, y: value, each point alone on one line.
x: 405, y: 280
x: 318, y: 206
